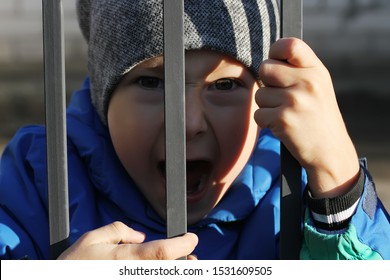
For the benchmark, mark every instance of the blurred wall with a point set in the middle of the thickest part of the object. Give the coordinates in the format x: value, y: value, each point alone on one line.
x: 21, y: 65
x: 21, y: 31
x: 353, y: 38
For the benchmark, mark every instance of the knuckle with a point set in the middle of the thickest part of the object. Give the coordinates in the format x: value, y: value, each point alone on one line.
x: 292, y: 100
x: 117, y: 254
x: 311, y: 83
x: 162, y: 253
x: 310, y: 86
x: 264, y: 67
x: 87, y: 237
x: 152, y: 251
x: 117, y: 226
x: 284, y: 119
x: 292, y: 46
x: 268, y: 70
x: 123, y: 252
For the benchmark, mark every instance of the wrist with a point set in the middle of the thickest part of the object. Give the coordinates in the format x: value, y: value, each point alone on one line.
x: 327, y: 183
x: 334, y: 213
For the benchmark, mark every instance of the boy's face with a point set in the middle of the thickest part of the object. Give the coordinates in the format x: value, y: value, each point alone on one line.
x: 220, y: 130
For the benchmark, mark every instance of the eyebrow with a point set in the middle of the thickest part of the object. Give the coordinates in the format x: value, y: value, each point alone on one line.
x: 152, y: 66
x: 153, y: 63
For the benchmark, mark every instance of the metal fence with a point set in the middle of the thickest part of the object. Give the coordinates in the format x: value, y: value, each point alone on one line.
x: 290, y: 227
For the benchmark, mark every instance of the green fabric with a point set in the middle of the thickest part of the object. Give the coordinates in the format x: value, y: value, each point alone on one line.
x: 346, y: 246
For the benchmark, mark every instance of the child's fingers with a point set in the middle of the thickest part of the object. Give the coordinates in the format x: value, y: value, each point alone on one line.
x: 276, y: 73
x: 277, y: 109
x: 296, y: 52
x: 263, y: 117
x: 269, y: 97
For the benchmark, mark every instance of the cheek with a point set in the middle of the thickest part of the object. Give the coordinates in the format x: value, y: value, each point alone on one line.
x: 134, y: 131
x: 126, y: 136
x: 236, y: 138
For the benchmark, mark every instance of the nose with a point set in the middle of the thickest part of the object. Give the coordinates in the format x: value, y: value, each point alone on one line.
x: 196, y: 123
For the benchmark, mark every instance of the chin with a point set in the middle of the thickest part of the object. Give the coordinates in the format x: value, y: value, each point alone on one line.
x: 194, y: 218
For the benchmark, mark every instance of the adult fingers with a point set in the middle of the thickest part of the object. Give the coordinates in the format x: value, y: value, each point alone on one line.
x: 192, y: 258
x: 169, y: 249
x: 118, y: 241
x: 163, y: 249
x: 113, y: 233
x: 102, y: 242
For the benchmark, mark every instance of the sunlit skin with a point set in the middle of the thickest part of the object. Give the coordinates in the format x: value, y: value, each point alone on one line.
x: 220, y: 129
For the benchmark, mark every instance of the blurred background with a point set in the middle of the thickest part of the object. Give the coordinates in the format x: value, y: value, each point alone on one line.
x: 351, y: 37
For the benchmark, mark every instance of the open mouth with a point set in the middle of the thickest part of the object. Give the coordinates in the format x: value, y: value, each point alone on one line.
x: 197, y: 173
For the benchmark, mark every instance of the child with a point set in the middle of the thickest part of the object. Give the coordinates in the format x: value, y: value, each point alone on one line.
x: 233, y: 126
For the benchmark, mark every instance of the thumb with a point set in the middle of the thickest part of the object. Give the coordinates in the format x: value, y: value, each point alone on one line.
x: 192, y: 257
x: 167, y: 249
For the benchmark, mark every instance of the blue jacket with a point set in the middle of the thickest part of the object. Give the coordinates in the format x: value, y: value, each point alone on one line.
x: 244, y: 225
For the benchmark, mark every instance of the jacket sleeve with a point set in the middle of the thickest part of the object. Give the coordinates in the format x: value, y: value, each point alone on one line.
x: 23, y: 200
x: 355, y: 226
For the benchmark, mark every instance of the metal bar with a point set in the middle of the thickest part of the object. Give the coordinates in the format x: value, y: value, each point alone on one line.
x: 55, y: 107
x: 291, y: 172
x: 175, y: 148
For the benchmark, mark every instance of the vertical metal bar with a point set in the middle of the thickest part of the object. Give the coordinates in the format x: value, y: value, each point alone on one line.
x: 175, y: 117
x: 291, y: 172
x: 55, y: 106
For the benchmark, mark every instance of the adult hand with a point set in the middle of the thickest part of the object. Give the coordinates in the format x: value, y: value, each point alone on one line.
x: 117, y: 241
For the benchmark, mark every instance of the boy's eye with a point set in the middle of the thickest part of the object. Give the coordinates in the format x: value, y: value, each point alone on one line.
x: 224, y: 84
x: 150, y: 82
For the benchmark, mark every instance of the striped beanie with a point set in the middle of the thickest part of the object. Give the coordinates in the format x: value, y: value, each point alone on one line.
x: 123, y: 33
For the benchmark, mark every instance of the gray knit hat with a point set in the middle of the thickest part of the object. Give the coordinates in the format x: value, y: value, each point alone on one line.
x: 123, y: 33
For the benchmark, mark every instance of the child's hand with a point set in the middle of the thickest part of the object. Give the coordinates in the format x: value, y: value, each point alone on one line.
x: 299, y: 105
x: 117, y: 241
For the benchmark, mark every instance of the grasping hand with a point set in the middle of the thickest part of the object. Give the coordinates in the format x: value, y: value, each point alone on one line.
x: 299, y: 105
x: 117, y: 241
